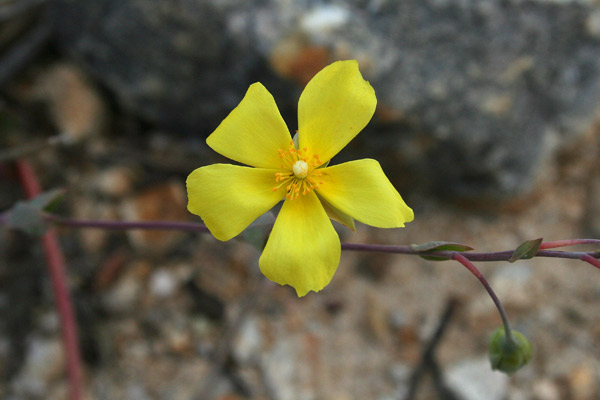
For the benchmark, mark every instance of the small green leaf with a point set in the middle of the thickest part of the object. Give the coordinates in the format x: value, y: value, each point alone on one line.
x: 432, y: 247
x: 439, y: 246
x: 526, y: 250
x: 27, y: 218
x: 47, y: 201
x: 509, y: 355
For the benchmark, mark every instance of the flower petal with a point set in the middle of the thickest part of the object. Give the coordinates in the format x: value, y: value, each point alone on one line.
x: 335, y: 105
x: 361, y: 190
x: 229, y: 197
x: 337, y: 215
x: 303, y: 250
x: 253, y: 132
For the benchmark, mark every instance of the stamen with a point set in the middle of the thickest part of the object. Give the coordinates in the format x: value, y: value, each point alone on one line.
x: 299, y: 171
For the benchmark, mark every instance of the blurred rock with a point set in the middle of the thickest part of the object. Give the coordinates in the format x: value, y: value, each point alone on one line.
x: 43, y: 364
x: 583, y: 382
x: 545, y: 389
x: 92, y: 240
x: 124, y: 295
x: 74, y: 105
x: 249, y: 341
x: 400, y: 374
x: 180, y: 341
x: 162, y: 59
x: 475, y: 96
x: 161, y: 202
x: 475, y: 380
x: 163, y: 283
x: 115, y: 182
x: 137, y: 392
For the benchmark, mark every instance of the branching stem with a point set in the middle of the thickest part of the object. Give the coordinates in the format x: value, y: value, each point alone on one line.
x: 465, y: 258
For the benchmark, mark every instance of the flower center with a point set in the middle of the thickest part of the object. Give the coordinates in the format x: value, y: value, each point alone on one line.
x: 299, y: 174
x: 300, y: 169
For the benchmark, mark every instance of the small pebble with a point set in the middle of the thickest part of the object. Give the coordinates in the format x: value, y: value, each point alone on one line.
x: 163, y: 283
x: 475, y: 380
x: 545, y: 390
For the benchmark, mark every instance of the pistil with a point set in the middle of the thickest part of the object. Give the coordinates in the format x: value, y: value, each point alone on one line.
x: 300, y: 174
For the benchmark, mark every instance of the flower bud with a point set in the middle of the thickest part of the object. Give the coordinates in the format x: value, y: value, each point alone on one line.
x: 509, y: 355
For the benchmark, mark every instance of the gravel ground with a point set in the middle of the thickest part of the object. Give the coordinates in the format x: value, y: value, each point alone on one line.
x: 170, y: 315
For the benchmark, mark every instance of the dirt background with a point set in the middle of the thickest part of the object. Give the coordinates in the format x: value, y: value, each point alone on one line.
x: 171, y: 315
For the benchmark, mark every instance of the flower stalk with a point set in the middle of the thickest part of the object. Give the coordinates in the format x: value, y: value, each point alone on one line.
x: 473, y: 269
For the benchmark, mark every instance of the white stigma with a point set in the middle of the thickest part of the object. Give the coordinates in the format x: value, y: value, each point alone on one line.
x: 300, y: 169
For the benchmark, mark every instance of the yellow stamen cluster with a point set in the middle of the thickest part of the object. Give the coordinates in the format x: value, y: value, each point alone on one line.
x: 300, y: 174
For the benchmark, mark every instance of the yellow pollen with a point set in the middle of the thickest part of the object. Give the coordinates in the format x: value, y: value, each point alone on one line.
x: 300, y: 169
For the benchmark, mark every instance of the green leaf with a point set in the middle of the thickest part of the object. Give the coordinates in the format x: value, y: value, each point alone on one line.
x: 48, y: 201
x: 26, y: 218
x: 432, y: 247
x: 439, y: 246
x: 526, y: 250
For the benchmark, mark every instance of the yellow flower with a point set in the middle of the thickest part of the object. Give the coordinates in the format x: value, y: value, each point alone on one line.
x: 303, y: 249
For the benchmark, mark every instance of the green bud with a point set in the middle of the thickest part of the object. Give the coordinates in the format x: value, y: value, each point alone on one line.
x: 509, y: 355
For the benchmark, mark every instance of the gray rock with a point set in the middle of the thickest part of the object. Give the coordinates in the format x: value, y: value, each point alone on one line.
x: 163, y: 283
x: 172, y: 63
x: 475, y: 380
x: 249, y: 341
x: 477, y: 96
x: 44, y: 363
x: 124, y: 295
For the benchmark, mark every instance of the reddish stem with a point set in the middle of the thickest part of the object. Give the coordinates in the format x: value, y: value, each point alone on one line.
x: 471, y: 267
x: 56, y: 268
x: 589, y: 259
x: 568, y: 242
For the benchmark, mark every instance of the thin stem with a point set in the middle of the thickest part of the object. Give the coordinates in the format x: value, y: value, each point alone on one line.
x: 491, y: 256
x: 589, y: 259
x: 127, y: 225
x: 471, y: 267
x: 368, y: 248
x: 56, y: 269
x: 568, y: 242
